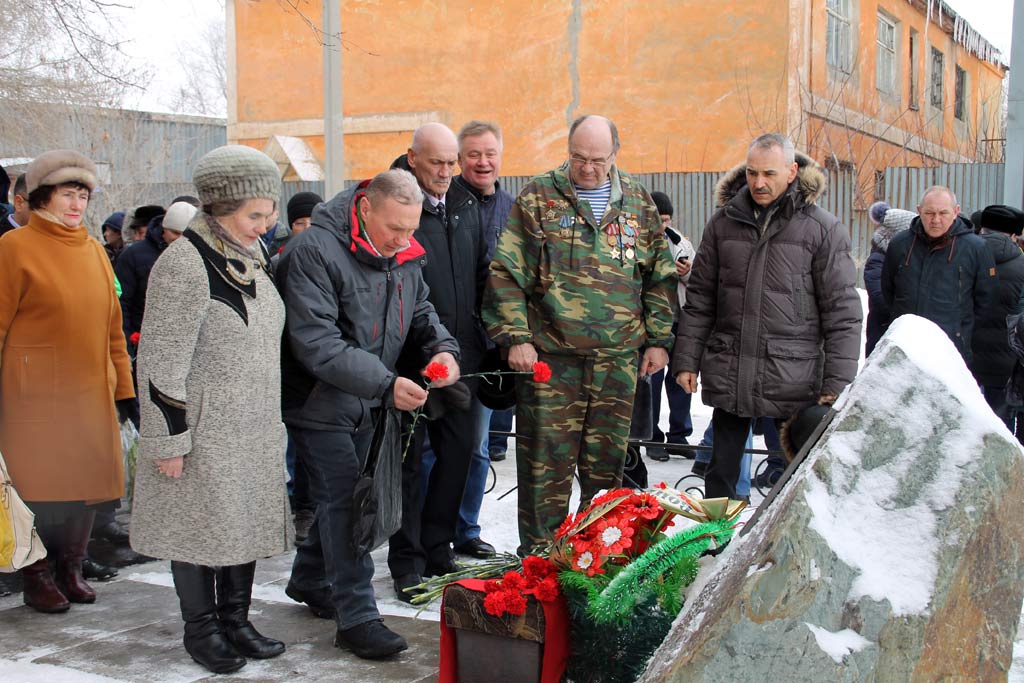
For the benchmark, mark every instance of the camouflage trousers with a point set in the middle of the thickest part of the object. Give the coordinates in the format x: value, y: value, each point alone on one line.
x: 577, y: 421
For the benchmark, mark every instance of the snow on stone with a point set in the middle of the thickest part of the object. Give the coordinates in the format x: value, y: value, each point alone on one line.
x: 894, y: 545
x: 838, y: 644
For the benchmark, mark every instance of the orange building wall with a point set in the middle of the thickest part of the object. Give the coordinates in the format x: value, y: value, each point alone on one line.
x: 948, y: 139
x: 688, y: 82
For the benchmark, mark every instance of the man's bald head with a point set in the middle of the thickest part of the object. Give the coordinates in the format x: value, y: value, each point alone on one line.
x: 593, y: 142
x: 432, y: 157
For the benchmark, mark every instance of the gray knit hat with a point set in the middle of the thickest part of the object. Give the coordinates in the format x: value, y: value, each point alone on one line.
x: 236, y: 172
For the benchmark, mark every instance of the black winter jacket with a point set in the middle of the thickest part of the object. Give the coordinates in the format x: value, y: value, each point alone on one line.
x: 878, y: 312
x: 993, y: 358
x: 772, y: 319
x: 456, y: 270
x: 349, y: 313
x: 948, y: 281
x: 132, y: 270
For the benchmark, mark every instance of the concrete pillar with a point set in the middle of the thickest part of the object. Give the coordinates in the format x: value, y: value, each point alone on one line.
x: 334, y: 143
x: 1013, y: 178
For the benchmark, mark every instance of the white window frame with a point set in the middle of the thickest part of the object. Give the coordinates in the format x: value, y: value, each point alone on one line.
x: 886, y: 54
x: 961, y: 94
x: 839, y: 35
x: 936, y: 78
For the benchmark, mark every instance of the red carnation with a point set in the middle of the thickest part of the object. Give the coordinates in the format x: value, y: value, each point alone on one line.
x: 537, y: 567
x: 547, y: 590
x: 541, y: 372
x: 551, y: 203
x: 515, y: 602
x: 512, y: 581
x: 494, y: 603
x: 134, y: 338
x: 436, y: 371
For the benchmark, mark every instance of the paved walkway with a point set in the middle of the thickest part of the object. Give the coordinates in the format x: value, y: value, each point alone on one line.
x: 133, y: 633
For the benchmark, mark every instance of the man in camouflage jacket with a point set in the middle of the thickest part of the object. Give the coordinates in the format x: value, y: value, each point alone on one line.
x: 583, y: 280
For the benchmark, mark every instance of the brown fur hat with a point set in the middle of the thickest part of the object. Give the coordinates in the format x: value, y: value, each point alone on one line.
x: 59, y: 166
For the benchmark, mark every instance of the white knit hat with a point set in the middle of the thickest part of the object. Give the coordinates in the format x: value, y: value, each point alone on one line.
x: 236, y: 172
x: 178, y: 216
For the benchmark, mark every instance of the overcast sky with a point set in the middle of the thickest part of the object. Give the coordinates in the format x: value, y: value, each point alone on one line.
x: 156, y: 31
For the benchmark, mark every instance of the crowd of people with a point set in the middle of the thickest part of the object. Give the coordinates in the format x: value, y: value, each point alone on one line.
x: 238, y: 343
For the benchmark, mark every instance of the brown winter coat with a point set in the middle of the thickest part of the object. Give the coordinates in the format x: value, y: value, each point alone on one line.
x: 62, y: 365
x: 772, y: 319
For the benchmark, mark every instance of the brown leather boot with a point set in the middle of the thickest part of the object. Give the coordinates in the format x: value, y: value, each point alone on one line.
x: 77, y: 531
x: 41, y: 593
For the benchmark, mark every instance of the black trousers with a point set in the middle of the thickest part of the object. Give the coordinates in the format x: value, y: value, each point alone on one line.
x: 428, y: 522
x: 726, y: 452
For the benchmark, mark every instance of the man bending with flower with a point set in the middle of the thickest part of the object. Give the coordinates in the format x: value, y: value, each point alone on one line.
x: 582, y: 278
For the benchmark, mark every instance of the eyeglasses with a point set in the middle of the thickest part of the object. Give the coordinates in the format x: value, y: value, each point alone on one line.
x: 582, y: 162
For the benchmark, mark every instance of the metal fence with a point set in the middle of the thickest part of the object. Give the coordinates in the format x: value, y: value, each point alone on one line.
x: 975, y: 185
x: 692, y: 194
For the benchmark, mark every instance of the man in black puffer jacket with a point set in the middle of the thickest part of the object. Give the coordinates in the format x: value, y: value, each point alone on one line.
x: 940, y: 270
x: 993, y: 358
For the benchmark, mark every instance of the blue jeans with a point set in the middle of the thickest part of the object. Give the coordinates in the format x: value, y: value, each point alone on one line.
x: 501, y: 421
x: 680, y: 425
x: 743, y: 483
x: 468, y: 526
x: 325, y: 558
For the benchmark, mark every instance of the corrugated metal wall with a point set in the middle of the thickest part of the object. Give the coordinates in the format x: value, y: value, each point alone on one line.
x: 692, y: 194
x: 975, y: 185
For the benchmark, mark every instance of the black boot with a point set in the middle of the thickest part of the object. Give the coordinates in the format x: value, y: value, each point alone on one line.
x: 204, y: 638
x: 234, y: 594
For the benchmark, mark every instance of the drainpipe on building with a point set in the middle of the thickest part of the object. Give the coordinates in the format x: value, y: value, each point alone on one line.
x: 1013, y: 173
x: 334, y: 143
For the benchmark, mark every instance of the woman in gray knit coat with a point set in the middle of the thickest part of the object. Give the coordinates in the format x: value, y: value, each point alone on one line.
x: 210, y: 484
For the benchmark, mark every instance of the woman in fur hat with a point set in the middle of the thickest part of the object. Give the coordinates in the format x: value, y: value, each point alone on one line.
x: 210, y: 482
x: 63, y: 364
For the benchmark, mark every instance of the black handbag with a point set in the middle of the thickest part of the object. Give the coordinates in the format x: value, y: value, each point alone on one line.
x: 377, y: 496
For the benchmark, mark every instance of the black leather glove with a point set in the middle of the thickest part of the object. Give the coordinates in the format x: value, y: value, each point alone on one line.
x: 453, y: 397
x: 127, y: 409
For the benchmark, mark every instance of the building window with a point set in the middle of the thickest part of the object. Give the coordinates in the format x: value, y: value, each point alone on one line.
x: 936, y: 82
x: 915, y: 79
x: 960, y: 94
x: 885, y: 66
x: 838, y: 36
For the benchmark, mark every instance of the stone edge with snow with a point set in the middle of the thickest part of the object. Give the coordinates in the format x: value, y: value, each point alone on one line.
x: 894, y: 553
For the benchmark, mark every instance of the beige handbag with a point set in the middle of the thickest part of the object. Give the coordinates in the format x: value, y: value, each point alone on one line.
x: 20, y: 545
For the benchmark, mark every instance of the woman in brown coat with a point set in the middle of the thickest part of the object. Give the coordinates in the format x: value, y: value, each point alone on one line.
x: 63, y: 364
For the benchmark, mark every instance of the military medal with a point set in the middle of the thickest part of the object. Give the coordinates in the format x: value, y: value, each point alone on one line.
x: 566, y: 224
x: 630, y: 253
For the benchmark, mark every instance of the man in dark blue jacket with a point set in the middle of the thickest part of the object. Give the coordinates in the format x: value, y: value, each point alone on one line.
x: 940, y: 270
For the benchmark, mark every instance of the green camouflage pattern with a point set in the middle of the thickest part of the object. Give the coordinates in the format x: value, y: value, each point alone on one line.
x: 579, y: 419
x: 557, y: 282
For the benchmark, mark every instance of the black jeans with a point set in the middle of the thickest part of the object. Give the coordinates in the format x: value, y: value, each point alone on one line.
x: 325, y: 558
x: 429, y: 522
